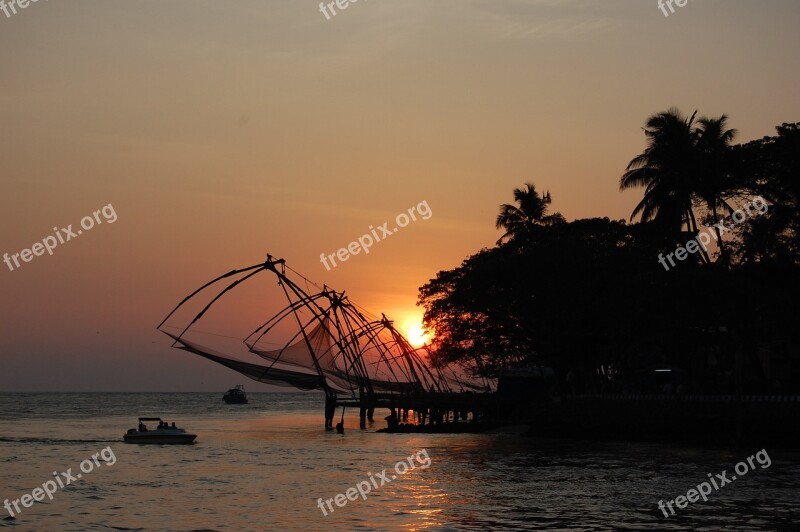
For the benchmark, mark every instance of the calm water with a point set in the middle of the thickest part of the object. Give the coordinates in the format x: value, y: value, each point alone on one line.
x: 264, y: 465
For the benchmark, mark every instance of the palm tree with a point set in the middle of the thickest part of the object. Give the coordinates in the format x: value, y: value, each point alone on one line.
x: 665, y: 169
x: 714, y: 145
x: 530, y: 211
x: 685, y: 163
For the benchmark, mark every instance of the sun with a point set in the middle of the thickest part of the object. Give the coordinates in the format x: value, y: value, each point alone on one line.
x: 416, y: 334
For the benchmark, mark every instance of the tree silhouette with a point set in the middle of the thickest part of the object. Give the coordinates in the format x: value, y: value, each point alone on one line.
x: 686, y: 162
x: 665, y: 168
x: 714, y: 180
x: 530, y: 211
x: 590, y: 295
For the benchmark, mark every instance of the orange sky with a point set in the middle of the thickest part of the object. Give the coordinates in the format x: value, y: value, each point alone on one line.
x: 221, y: 131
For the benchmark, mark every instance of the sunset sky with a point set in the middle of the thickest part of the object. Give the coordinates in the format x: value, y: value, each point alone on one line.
x: 221, y: 131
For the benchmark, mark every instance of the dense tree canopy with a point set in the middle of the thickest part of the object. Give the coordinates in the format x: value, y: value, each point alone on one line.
x: 770, y: 167
x: 590, y: 297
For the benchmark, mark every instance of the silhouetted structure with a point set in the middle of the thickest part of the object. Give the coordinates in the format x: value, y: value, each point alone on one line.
x: 356, y: 360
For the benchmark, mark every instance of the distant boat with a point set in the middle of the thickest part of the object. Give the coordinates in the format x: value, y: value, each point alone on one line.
x: 163, y: 434
x: 235, y: 396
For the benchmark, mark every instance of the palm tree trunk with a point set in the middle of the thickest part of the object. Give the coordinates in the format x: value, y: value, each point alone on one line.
x: 723, y: 256
x: 703, y: 253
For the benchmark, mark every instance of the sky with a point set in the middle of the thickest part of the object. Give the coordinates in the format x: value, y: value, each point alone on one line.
x: 217, y: 132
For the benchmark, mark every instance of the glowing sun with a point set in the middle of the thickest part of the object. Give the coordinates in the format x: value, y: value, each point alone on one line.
x: 416, y: 335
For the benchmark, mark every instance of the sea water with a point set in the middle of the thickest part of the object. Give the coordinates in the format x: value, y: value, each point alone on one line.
x: 265, y: 465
